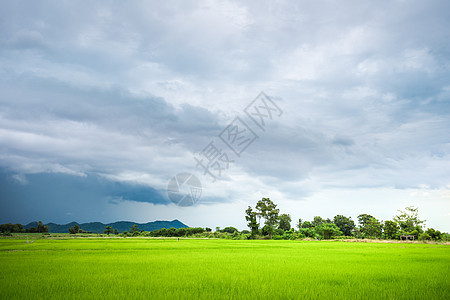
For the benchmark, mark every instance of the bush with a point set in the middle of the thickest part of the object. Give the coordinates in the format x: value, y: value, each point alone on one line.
x: 424, y: 237
x: 307, y: 232
x: 229, y: 229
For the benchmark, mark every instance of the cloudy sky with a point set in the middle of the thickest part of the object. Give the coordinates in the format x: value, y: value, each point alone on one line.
x: 103, y: 103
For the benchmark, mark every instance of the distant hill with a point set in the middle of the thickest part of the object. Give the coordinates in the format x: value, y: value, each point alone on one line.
x: 97, y: 227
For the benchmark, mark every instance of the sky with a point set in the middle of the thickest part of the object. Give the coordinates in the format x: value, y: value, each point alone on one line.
x: 325, y: 107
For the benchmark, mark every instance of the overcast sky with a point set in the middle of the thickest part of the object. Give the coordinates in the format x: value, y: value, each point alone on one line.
x: 103, y: 103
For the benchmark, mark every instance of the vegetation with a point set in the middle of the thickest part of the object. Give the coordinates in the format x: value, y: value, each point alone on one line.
x: 278, y: 226
x: 266, y: 222
x: 16, y: 228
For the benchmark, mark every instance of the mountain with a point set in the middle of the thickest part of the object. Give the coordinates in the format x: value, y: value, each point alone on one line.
x: 97, y: 227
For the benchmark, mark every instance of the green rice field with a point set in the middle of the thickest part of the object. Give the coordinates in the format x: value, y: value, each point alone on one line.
x: 139, y: 268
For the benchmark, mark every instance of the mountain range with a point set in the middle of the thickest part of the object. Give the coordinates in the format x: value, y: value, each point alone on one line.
x: 98, y: 227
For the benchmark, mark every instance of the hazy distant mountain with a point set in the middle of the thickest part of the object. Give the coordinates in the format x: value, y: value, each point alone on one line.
x: 97, y: 227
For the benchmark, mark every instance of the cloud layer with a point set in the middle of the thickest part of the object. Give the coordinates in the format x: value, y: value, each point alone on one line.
x: 129, y: 94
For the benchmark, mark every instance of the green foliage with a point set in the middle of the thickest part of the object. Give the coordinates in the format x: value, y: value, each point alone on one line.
x: 75, y: 229
x: 108, y: 230
x: 408, y: 219
x: 434, y: 234
x: 372, y: 228
x: 267, y: 210
x: 308, y: 232
x: 424, y: 237
x: 345, y: 224
x: 41, y: 227
x: 267, y: 230
x: 180, y: 232
x: 307, y: 224
x: 317, y: 221
x: 230, y: 229
x: 285, y: 222
x: 390, y: 229
x: 327, y: 230
x: 134, y: 230
x: 299, y: 223
x: 11, y: 228
x: 363, y: 219
x: 251, y: 220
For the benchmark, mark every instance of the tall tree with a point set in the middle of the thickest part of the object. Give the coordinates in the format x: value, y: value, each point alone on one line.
x: 41, y: 227
x: 408, y: 219
x: 267, y: 210
x: 108, y: 230
x: 134, y: 230
x: 251, y: 220
x: 345, y: 224
x: 300, y: 223
x: 285, y: 222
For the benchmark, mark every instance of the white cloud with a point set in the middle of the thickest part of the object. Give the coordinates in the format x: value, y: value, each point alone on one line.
x: 132, y: 92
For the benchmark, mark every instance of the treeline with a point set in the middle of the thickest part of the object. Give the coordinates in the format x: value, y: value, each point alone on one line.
x: 199, y: 232
x: 135, y: 231
x: 7, y: 229
x: 405, y: 225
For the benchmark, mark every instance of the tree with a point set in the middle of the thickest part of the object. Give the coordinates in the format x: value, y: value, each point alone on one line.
x: 408, y: 219
x: 134, y: 230
x: 182, y: 231
x: 424, y: 237
x: 434, y: 234
x: 230, y: 229
x: 251, y: 220
x: 317, y: 221
x: 41, y: 227
x: 328, y: 230
x: 346, y: 225
x: 390, y: 229
x: 363, y: 219
x: 11, y: 228
x: 307, y: 224
x: 108, y: 230
x: 372, y: 228
x: 267, y: 230
x: 116, y: 232
x: 267, y: 210
x: 207, y: 229
x: 75, y: 229
x: 285, y: 222
x: 299, y: 224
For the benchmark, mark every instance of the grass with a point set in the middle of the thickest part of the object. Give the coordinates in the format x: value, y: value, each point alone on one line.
x: 221, y: 269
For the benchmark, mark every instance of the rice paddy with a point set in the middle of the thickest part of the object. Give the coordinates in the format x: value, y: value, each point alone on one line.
x: 128, y: 268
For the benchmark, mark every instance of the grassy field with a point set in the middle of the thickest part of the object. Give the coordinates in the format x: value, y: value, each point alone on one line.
x: 221, y: 269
